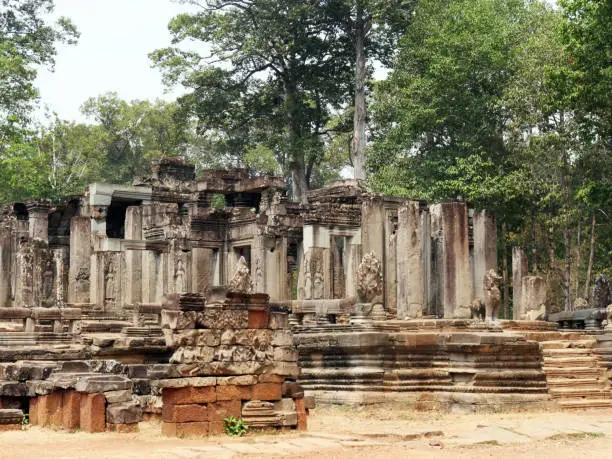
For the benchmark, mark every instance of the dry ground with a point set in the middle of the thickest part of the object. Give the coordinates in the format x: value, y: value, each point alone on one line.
x: 350, y: 433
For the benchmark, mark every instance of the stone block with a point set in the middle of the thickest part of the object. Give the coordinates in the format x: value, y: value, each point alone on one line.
x: 285, y: 408
x: 185, y: 382
x: 258, y: 319
x: 185, y: 429
x: 217, y: 318
x: 234, y: 392
x: 292, y: 389
x: 50, y: 410
x: 33, y: 411
x: 259, y: 339
x: 12, y: 389
x: 242, y: 354
x: 118, y: 396
x: 198, y: 337
x: 300, y: 409
x: 141, y: 386
x: 189, y: 395
x: 216, y: 428
x: 309, y: 402
x: 282, y: 338
x: 10, y: 416
x: 278, y: 321
x: 270, y: 378
x: 224, y: 409
x: 124, y: 413
x: 257, y: 413
x: 103, y: 383
x: 267, y: 391
x: 71, y: 410
x: 193, y: 354
x: 285, y: 354
x: 186, y: 413
x: 122, y: 428
x: 243, y: 380
x: 93, y: 413
x: 9, y: 427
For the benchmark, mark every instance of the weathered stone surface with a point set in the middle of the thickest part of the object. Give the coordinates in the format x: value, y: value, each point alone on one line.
x: 285, y: 354
x: 533, y: 298
x: 9, y: 416
x: 195, y: 338
x: 24, y: 371
x: 218, y: 318
x: 186, y: 413
x: 241, y: 280
x: 260, y: 414
x: 292, y: 389
x: 189, y: 395
x: 243, y: 380
x: 93, y: 413
x: 234, y: 392
x: 103, y: 383
x: 124, y: 413
x: 267, y: 391
x: 278, y: 320
x: 185, y: 429
x: 118, y: 396
x: 225, y: 408
x: 193, y: 354
x: 242, y: 354
x: 12, y: 389
x: 185, y: 382
x: 285, y: 409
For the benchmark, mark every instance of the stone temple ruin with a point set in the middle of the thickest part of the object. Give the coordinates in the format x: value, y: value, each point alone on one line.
x: 196, y: 299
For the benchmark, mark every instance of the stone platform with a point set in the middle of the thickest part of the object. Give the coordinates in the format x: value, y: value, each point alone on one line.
x: 431, y: 363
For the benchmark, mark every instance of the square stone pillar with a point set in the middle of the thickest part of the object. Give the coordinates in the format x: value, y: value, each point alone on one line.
x: 426, y: 252
x: 519, y: 271
x: 449, y: 225
x: 373, y: 218
x: 133, y: 258
x: 485, y: 248
x: 5, y: 266
x: 201, y: 270
x: 410, y: 285
x: 79, y: 272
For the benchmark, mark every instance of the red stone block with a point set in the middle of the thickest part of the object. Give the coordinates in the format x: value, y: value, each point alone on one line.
x: 71, y: 410
x: 217, y: 428
x: 185, y: 429
x: 122, y: 428
x: 185, y: 413
x: 224, y: 409
x: 300, y: 409
x: 93, y: 413
x: 50, y: 410
x: 267, y: 391
x: 189, y: 395
x: 232, y: 392
x: 258, y: 319
x: 33, y: 411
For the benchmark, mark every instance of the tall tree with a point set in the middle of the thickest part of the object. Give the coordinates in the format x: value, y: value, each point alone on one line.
x: 271, y: 78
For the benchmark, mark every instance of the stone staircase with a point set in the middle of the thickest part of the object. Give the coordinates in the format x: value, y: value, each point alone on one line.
x: 574, y: 375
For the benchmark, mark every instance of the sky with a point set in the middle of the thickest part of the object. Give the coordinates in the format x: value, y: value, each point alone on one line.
x: 111, y: 55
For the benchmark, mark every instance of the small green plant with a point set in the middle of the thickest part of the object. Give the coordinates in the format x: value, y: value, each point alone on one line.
x: 235, y: 427
x: 25, y: 420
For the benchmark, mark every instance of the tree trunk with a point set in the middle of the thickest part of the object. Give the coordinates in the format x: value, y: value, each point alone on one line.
x: 587, y: 282
x: 578, y: 261
x: 296, y: 152
x: 359, y: 120
x: 567, y: 243
x: 506, y: 299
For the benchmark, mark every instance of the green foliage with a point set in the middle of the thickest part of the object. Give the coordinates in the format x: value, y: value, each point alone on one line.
x: 260, y: 159
x: 235, y: 427
x: 25, y: 420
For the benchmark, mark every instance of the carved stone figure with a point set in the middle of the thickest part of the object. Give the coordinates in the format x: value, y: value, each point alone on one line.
x: 369, y: 278
x: 492, y: 294
x: 580, y: 303
x: 478, y: 309
x: 47, y: 283
x: 609, y: 317
x: 601, y: 292
x: 241, y: 281
x: 179, y: 277
x: 319, y: 283
x: 109, y: 278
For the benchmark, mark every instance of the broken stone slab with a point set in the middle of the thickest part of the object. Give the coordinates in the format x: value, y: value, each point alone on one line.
x: 256, y: 413
x: 124, y: 413
x: 243, y: 380
x: 24, y: 371
x: 103, y: 383
x: 292, y: 389
x: 10, y: 416
x: 151, y: 404
x: 285, y: 409
x: 12, y: 389
x: 118, y: 396
x: 185, y: 382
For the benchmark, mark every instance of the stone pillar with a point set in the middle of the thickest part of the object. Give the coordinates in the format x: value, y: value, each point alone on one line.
x: 485, y: 249
x: 79, y: 272
x: 38, y: 219
x: 391, y: 268
x: 259, y: 252
x: 450, y: 230
x: 410, y: 285
x: 133, y: 258
x: 426, y: 252
x: 519, y: 271
x: 201, y: 270
x: 373, y: 233
x: 5, y: 267
x: 533, y: 298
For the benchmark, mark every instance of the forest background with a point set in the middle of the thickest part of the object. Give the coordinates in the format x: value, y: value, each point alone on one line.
x: 504, y: 104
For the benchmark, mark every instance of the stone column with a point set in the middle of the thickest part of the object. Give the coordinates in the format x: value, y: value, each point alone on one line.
x: 79, y: 272
x: 38, y: 219
x: 533, y: 298
x: 391, y: 268
x: 5, y: 266
x: 519, y: 271
x: 485, y: 248
x: 133, y: 258
x: 450, y: 230
x: 201, y: 270
x: 373, y: 233
x: 426, y: 252
x: 410, y: 286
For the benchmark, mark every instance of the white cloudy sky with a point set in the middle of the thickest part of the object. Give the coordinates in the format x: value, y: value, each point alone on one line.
x: 116, y: 36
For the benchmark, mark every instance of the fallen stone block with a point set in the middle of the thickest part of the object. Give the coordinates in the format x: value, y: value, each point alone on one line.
x: 103, y: 383
x: 123, y: 413
x: 10, y: 416
x: 118, y: 396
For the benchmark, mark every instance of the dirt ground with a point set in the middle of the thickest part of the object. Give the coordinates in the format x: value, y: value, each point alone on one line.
x: 350, y: 433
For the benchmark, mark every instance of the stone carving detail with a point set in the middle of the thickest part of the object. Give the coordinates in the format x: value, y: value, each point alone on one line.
x: 492, y: 294
x: 581, y: 303
x: 241, y: 281
x: 179, y: 276
x: 601, y: 292
x: 609, y: 317
x: 307, y: 277
x: 319, y: 283
x: 48, y: 278
x: 369, y: 278
x: 109, y: 282
x: 478, y: 309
